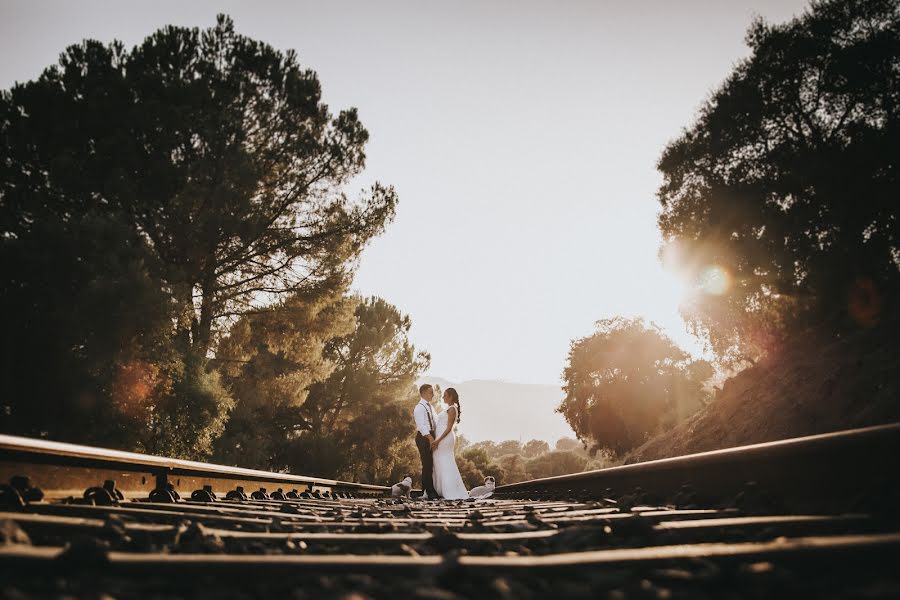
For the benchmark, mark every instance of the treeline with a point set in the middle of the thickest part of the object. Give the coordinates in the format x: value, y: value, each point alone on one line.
x: 780, y: 205
x: 178, y: 248
x: 512, y: 461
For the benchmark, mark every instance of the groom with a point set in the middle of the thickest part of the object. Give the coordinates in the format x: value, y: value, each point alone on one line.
x: 425, y: 431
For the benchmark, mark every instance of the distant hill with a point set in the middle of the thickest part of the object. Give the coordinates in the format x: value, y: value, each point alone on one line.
x: 497, y: 410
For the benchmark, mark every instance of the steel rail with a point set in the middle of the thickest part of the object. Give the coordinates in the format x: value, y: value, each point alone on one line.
x: 796, y: 472
x: 61, y: 470
x: 24, y: 557
x: 720, y: 526
x: 575, y: 535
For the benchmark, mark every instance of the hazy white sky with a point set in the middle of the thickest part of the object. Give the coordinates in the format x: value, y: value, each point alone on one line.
x: 521, y: 136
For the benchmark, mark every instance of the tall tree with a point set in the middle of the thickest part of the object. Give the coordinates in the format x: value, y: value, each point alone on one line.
x: 269, y: 360
x: 88, y: 353
x: 626, y: 382
x: 376, y: 360
x: 366, y: 402
x: 213, y: 159
x: 85, y: 350
x: 781, y: 199
x: 215, y: 148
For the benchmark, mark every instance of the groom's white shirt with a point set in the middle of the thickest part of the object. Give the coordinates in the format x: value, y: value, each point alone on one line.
x: 421, y: 412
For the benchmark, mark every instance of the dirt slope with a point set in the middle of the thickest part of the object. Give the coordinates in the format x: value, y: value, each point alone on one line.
x: 816, y: 386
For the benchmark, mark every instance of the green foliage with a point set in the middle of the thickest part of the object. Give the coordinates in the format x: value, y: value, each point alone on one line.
x: 192, y: 416
x: 152, y: 198
x: 373, y: 364
x: 557, y: 462
x: 478, y: 455
x: 787, y: 183
x: 511, y: 461
x: 86, y: 351
x: 270, y: 359
x: 507, y: 447
x: 317, y: 454
x: 324, y: 385
x: 214, y: 148
x: 100, y: 368
x: 513, y: 468
x: 483, y: 463
x: 535, y: 448
x: 568, y: 445
x: 405, y: 459
x: 628, y: 381
x: 380, y: 440
x: 364, y: 406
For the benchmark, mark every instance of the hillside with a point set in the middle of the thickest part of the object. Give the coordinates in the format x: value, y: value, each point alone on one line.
x: 816, y: 386
x: 498, y: 410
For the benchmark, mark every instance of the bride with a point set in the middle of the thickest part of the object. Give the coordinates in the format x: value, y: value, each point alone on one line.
x: 447, y: 480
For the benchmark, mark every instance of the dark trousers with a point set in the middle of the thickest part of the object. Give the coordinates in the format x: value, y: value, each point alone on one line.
x: 427, y: 465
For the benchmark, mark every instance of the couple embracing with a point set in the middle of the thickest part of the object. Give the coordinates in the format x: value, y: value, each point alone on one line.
x: 436, y: 443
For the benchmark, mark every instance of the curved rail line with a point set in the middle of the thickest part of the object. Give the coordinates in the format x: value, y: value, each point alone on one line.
x: 807, y: 517
x: 60, y: 470
x: 796, y: 470
x: 820, y: 472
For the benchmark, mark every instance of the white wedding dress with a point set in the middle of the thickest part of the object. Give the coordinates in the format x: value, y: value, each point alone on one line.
x: 447, y: 480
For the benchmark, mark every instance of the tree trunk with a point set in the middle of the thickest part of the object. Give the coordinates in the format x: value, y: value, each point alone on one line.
x: 183, y: 328
x: 204, y: 324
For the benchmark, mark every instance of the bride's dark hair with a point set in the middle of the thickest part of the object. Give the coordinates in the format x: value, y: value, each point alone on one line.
x: 455, y: 397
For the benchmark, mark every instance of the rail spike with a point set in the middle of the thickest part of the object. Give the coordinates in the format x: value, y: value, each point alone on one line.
x: 165, y: 495
x: 11, y: 498
x: 650, y: 531
x: 105, y: 495
x: 204, y: 495
x: 28, y: 492
x: 237, y: 494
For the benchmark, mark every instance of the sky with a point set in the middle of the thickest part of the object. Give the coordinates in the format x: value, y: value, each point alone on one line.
x: 521, y: 136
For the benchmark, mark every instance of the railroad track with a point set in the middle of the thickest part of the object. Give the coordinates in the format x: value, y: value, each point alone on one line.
x: 810, y: 517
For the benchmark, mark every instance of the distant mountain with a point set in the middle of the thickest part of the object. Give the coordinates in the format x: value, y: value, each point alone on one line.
x: 497, y: 410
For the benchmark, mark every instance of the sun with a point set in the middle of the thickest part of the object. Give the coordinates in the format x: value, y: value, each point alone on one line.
x: 674, y: 288
x: 683, y: 284
x: 676, y: 283
x: 714, y: 280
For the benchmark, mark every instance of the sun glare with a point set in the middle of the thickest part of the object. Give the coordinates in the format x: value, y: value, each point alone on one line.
x: 675, y: 284
x: 674, y: 289
x: 714, y: 280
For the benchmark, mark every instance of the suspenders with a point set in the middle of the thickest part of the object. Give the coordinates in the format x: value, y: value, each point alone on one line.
x: 430, y: 420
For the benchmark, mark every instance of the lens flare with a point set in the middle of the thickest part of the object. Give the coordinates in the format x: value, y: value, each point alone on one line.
x: 132, y: 388
x: 864, y: 302
x: 714, y: 280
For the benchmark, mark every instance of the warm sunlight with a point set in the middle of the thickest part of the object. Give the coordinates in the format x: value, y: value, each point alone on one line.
x: 674, y: 289
x: 680, y: 284
x: 449, y: 299
x: 714, y: 280
x: 676, y: 286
